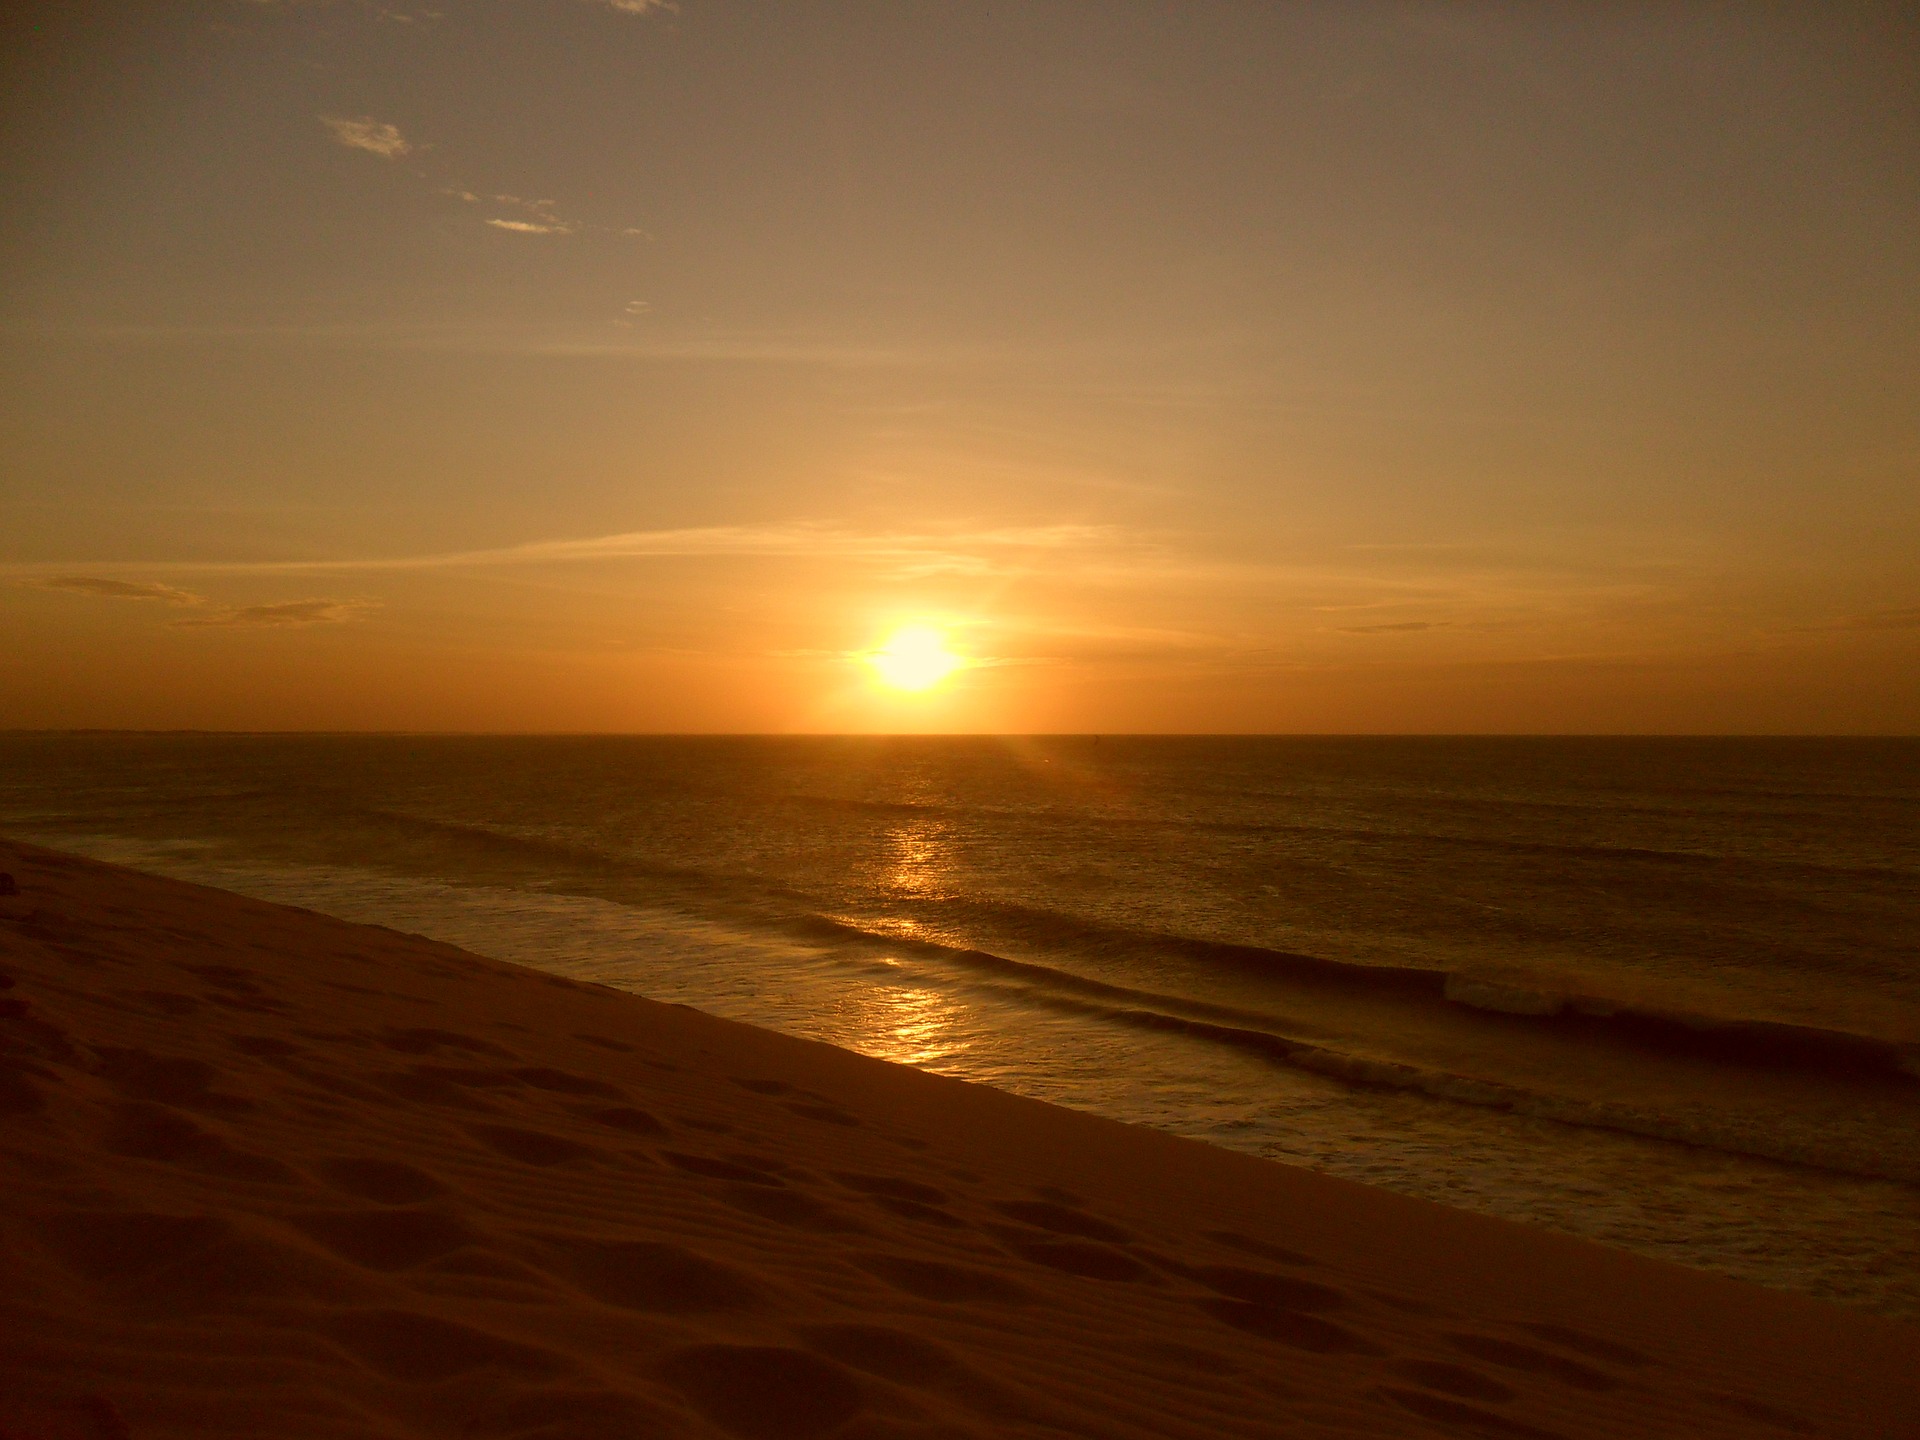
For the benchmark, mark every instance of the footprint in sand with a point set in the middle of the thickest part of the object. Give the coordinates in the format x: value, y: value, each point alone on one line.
x: 533, y: 1147
x: 431, y: 1085
x: 564, y: 1082
x: 1405, y: 1304
x: 571, y: 1414
x: 744, y: 1170
x: 892, y: 1186
x: 909, y: 1199
x: 627, y: 1118
x: 169, y: 1003
x: 388, y: 1182
x: 388, y: 1239
x: 606, y: 1042
x: 949, y: 1284
x: 1289, y: 1327
x: 1188, y: 1357
x: 825, y: 1114
x: 1248, y: 1246
x: 1456, y: 1380
x: 1515, y: 1356
x: 1062, y: 1219
x: 173, y: 1264
x: 791, y: 1207
x: 880, y: 1350
x: 63, y: 1417
x: 467, y: 1076
x: 923, y: 1214
x: 918, y: 1363
x: 1262, y: 1287
x: 1766, y: 1414
x: 1592, y: 1346
x: 171, y: 1080
x: 234, y: 988
x: 347, y: 987
x: 1458, y: 1414
x: 1078, y: 1257
x: 762, y: 1087
x: 265, y: 1047
x: 764, y: 1392
x: 427, y: 1042
x: 18, y: 1094
x: 154, y: 1132
x: 654, y: 1277
x: 408, y: 1346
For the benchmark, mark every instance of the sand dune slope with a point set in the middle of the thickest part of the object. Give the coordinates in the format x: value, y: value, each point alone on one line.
x: 267, y: 1173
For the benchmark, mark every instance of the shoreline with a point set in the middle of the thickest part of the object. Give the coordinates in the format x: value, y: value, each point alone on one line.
x: 272, y: 1165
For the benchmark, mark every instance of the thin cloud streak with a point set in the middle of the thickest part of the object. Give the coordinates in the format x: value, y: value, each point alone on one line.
x: 542, y: 220
x: 1904, y: 619
x: 278, y: 616
x: 956, y: 551
x: 927, y: 553
x: 115, y: 589
x: 273, y: 615
x: 704, y: 345
x: 1083, y: 555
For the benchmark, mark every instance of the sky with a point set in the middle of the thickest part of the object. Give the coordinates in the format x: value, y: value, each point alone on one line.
x: 616, y: 365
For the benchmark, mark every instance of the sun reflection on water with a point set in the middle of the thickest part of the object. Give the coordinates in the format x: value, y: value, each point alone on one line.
x: 922, y: 860
x: 910, y: 1025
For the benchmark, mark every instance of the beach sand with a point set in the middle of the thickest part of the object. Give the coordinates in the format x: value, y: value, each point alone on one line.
x: 268, y: 1173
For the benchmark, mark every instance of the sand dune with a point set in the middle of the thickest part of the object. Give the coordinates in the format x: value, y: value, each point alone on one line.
x: 267, y: 1173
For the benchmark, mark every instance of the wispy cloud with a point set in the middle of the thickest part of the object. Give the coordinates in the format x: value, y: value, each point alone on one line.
x: 115, y: 589
x: 374, y: 136
x: 639, y: 7
x: 972, y: 552
x: 1412, y: 601
x: 286, y: 613
x: 1903, y: 619
x: 956, y: 551
x: 540, y: 218
x: 701, y: 344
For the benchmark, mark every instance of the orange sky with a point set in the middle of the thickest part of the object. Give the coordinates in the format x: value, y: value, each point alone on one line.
x: 613, y: 365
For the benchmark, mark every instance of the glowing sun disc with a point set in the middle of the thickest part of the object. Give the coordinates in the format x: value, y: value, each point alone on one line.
x: 914, y: 658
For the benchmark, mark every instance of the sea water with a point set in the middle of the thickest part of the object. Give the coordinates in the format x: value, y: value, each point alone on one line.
x: 1663, y: 993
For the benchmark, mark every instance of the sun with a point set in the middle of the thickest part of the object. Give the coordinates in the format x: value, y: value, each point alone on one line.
x: 914, y: 657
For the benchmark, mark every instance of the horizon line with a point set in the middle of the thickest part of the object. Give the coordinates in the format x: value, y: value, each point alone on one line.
x: 106, y: 730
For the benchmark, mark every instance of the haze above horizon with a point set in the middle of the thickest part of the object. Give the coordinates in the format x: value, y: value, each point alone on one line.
x: 600, y: 365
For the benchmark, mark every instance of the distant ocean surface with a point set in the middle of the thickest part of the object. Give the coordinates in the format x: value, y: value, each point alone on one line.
x: 1662, y: 993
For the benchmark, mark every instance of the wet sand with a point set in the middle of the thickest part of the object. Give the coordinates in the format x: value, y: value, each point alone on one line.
x: 271, y: 1173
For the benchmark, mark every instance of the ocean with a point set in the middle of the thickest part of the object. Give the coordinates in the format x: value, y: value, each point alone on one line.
x: 1663, y: 993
